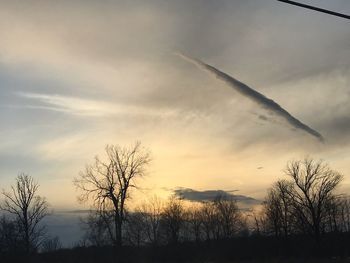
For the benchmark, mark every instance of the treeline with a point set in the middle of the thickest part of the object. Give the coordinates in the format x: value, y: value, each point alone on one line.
x: 156, y: 224
x: 303, y: 215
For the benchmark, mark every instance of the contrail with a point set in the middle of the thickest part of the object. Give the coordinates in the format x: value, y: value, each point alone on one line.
x: 254, y: 96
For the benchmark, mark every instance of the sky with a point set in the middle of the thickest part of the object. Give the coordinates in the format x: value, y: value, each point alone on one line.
x: 78, y: 75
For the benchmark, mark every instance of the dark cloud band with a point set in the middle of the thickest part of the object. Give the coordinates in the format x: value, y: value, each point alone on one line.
x: 255, y: 96
x: 210, y: 195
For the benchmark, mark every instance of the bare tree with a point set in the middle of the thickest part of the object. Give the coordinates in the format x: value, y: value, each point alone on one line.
x: 272, y: 210
x: 195, y: 222
x: 345, y: 214
x: 209, y: 220
x: 314, y: 188
x: 228, y: 216
x: 152, y: 212
x: 135, y: 228
x: 107, y: 183
x: 278, y: 207
x: 173, y: 219
x: 28, y: 209
x: 337, y: 215
x: 259, y: 221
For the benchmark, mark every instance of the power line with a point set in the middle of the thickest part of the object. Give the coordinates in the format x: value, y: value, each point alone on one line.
x: 316, y: 9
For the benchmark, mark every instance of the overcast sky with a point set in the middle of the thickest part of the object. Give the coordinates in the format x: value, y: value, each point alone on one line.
x: 76, y: 75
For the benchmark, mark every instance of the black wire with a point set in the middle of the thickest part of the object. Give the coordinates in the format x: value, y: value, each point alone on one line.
x: 316, y: 9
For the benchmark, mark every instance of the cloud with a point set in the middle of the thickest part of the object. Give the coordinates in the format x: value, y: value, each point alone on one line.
x: 87, y: 107
x: 70, y: 49
x: 209, y: 195
x: 255, y: 96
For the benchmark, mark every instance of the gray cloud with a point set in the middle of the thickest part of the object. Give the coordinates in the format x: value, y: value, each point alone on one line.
x: 209, y: 195
x: 255, y: 96
x: 83, y: 49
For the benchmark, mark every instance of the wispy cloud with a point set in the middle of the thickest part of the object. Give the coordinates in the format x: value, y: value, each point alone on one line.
x: 87, y: 107
x: 255, y: 96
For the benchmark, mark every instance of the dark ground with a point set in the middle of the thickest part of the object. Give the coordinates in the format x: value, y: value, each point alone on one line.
x: 249, y: 249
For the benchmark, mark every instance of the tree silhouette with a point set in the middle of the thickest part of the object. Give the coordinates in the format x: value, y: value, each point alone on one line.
x: 278, y: 207
x: 314, y: 185
x: 107, y: 183
x: 152, y: 211
x: 173, y: 219
x: 228, y: 216
x: 28, y: 209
